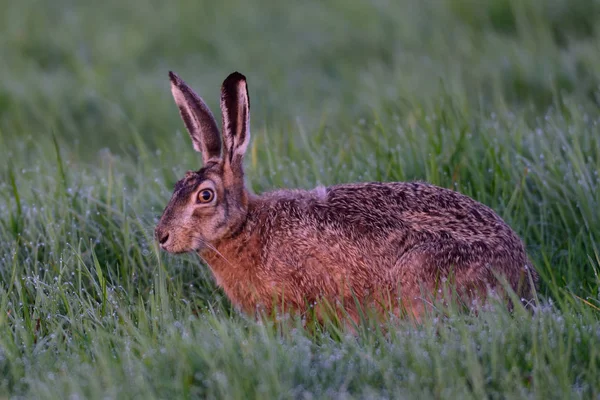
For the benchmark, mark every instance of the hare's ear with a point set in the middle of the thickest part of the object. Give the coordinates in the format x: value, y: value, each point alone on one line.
x: 198, y: 120
x: 235, y: 107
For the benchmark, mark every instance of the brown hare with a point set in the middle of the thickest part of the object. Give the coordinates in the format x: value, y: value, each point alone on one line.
x: 385, y: 245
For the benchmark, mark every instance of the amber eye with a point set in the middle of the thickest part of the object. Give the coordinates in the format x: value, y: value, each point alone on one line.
x: 206, y: 196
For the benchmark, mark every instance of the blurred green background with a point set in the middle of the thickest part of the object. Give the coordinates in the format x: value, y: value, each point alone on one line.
x: 495, y: 98
x: 98, y: 70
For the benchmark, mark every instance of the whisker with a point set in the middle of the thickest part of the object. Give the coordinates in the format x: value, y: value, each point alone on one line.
x: 211, y: 247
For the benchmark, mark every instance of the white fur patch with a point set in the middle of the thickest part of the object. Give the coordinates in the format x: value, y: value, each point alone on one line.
x: 320, y: 191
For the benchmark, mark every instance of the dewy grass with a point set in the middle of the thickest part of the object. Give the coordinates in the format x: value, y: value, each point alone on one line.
x: 497, y: 99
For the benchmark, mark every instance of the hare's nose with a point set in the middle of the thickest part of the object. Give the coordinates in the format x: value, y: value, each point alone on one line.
x: 163, y: 239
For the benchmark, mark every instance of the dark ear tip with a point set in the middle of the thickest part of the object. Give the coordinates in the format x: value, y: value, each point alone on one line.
x: 233, y: 79
x: 174, y: 78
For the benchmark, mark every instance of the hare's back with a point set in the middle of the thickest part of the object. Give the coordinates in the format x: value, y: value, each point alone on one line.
x: 373, y: 211
x: 429, y: 223
x: 414, y: 206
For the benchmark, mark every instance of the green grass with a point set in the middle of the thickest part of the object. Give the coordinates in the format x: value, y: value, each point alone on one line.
x: 497, y: 98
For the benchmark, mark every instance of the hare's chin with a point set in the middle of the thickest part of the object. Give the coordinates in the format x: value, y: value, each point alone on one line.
x: 177, y: 250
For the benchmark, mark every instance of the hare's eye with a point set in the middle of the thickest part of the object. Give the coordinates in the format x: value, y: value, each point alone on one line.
x: 206, y: 196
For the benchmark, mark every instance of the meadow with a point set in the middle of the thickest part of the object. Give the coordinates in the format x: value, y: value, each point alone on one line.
x: 498, y: 99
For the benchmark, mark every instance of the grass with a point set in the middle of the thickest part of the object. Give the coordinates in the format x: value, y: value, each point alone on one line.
x: 497, y: 98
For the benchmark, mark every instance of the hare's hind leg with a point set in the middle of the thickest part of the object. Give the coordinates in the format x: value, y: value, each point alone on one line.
x: 424, y: 282
x: 411, y: 287
x: 450, y: 274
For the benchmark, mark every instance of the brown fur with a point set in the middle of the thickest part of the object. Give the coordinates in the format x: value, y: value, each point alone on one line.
x: 385, y: 245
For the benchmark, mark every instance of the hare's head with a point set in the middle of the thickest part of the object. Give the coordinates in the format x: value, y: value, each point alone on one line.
x: 211, y: 203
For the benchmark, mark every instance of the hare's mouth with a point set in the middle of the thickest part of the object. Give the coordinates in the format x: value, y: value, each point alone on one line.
x: 169, y: 248
x: 170, y: 245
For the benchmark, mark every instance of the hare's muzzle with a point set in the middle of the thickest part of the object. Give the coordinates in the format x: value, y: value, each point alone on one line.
x: 162, y: 236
